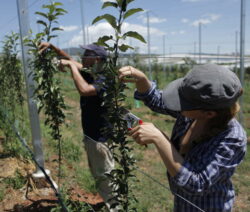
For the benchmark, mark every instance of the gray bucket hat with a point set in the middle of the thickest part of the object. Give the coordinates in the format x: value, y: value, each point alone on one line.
x: 206, y: 86
x: 99, y: 50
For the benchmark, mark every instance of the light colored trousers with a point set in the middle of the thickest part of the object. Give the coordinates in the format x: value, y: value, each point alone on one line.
x: 100, y: 161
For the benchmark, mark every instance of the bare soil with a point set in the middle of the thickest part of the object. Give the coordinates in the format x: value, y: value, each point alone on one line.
x: 36, y: 195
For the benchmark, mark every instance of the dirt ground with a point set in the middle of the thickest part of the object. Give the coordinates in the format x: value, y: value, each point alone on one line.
x: 35, y: 195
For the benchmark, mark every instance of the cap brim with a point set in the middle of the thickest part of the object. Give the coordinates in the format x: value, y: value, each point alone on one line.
x: 172, y: 97
x: 85, y: 47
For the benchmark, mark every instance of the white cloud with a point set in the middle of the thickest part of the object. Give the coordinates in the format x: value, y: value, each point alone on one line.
x: 214, y: 17
x: 202, y: 21
x: 180, y: 32
x: 69, y: 28
x: 184, y: 20
x: 207, y: 19
x: 152, y: 20
x: 102, y: 1
x: 103, y: 28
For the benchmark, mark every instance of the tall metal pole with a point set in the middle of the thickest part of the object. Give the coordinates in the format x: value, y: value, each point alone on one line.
x: 236, y: 50
x: 195, y: 51
x: 200, y: 43
x: 218, y: 54
x: 242, y: 55
x: 83, y: 23
x: 22, y: 10
x: 87, y: 35
x: 149, y: 50
x: 170, y: 59
x: 164, y: 54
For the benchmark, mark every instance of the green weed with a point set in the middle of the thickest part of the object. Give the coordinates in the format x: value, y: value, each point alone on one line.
x: 16, y: 182
x: 86, y: 180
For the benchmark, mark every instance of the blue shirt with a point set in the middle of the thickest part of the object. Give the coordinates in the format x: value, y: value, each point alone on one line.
x: 205, y: 176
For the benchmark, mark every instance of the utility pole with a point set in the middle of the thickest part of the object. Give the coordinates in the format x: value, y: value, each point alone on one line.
x: 149, y: 50
x: 22, y: 10
x: 218, y: 54
x: 242, y: 55
x: 195, y: 51
x: 236, y: 50
x: 88, y: 35
x: 199, y: 42
x: 170, y: 57
x: 164, y: 54
x: 83, y: 22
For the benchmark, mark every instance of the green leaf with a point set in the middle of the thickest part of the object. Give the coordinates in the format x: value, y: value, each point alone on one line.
x: 42, y: 22
x: 52, y: 17
x: 124, y: 47
x: 46, y: 6
x: 52, y: 36
x: 56, y: 29
x: 105, y: 38
x: 129, y: 1
x: 42, y: 14
x: 119, y: 2
x: 135, y: 35
x: 109, y: 4
x: 59, y: 13
x: 124, y: 5
x: 57, y: 4
x: 131, y: 12
x: 61, y: 10
x: 39, y: 35
x: 109, y: 18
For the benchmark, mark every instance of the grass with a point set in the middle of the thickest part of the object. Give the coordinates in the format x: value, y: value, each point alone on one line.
x: 86, y: 181
x: 2, y: 193
x: 16, y: 182
x: 151, y: 196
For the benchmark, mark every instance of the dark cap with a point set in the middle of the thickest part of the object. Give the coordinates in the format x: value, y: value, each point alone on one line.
x: 99, y: 50
x: 207, y: 86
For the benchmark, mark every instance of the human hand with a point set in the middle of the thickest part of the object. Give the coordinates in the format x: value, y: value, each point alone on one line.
x: 146, y: 133
x: 64, y: 63
x: 130, y: 74
x: 43, y: 46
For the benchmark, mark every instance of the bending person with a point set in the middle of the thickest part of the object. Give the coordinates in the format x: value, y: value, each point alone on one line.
x: 91, y: 92
x: 207, y: 142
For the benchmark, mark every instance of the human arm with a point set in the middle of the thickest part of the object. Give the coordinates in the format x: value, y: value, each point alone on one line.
x: 146, y: 90
x: 147, y: 133
x: 83, y: 87
x: 209, y: 165
x: 43, y: 46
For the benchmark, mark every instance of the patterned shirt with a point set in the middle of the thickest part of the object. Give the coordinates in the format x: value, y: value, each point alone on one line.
x: 205, y: 176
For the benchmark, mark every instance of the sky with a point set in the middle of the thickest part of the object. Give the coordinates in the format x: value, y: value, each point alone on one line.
x: 173, y: 24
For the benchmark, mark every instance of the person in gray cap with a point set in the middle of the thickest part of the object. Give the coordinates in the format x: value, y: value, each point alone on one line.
x: 207, y: 142
x: 91, y: 91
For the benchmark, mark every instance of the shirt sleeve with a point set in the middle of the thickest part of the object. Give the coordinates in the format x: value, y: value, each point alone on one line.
x: 219, y: 166
x: 153, y: 99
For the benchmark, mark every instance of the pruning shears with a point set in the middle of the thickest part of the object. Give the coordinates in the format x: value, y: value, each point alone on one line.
x: 132, y: 120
